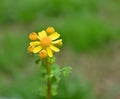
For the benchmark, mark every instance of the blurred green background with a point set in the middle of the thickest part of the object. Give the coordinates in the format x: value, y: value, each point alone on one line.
x: 91, y: 33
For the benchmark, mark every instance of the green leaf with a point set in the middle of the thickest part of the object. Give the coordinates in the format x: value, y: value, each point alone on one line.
x: 55, y: 70
x: 43, y: 78
x: 55, y: 67
x: 43, y: 89
x: 43, y: 69
x: 54, y: 89
x: 65, y: 71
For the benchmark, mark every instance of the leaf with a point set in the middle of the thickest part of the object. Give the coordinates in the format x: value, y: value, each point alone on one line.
x: 54, y: 89
x: 56, y: 73
x: 65, y: 71
x: 43, y: 89
x: 54, y: 67
x: 43, y: 69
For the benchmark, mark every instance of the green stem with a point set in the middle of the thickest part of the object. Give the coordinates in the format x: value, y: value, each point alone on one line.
x: 48, y: 81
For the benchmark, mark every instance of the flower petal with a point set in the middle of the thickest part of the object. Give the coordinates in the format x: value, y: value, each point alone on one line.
x: 54, y: 36
x: 57, y: 41
x: 42, y: 34
x: 50, y: 53
x: 37, y: 49
x: 34, y: 43
x: 54, y: 48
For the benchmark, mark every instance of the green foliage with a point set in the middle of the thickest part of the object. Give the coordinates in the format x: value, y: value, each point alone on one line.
x: 37, y: 61
x: 28, y: 87
x: 82, y: 20
x: 65, y: 71
x: 88, y: 32
x: 55, y: 77
x: 12, y: 52
x: 76, y: 88
x: 56, y: 73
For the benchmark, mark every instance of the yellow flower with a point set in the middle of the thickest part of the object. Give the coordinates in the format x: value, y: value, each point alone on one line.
x: 46, y: 43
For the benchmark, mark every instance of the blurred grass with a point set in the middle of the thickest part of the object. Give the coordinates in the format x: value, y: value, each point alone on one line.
x: 12, y: 52
x: 27, y: 88
x: 84, y: 25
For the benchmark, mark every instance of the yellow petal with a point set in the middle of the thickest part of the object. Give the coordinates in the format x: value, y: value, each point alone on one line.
x: 57, y: 41
x: 54, y: 36
x: 34, y: 43
x: 54, y: 48
x: 37, y: 49
x: 50, y: 53
x: 42, y: 34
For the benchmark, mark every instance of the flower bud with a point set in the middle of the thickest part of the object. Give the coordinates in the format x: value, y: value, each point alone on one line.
x: 50, y: 30
x: 30, y: 49
x: 33, y: 36
x: 43, y: 54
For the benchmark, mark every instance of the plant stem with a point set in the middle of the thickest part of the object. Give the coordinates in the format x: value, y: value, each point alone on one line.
x: 48, y: 82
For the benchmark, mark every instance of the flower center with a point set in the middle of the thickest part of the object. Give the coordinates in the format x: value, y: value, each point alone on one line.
x: 45, y: 42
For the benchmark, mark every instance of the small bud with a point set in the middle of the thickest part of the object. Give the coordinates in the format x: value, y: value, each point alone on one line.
x: 33, y: 36
x: 52, y: 60
x: 43, y: 54
x: 50, y: 30
x: 30, y: 49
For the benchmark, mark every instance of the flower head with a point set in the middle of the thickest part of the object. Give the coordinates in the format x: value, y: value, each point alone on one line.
x: 45, y: 43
